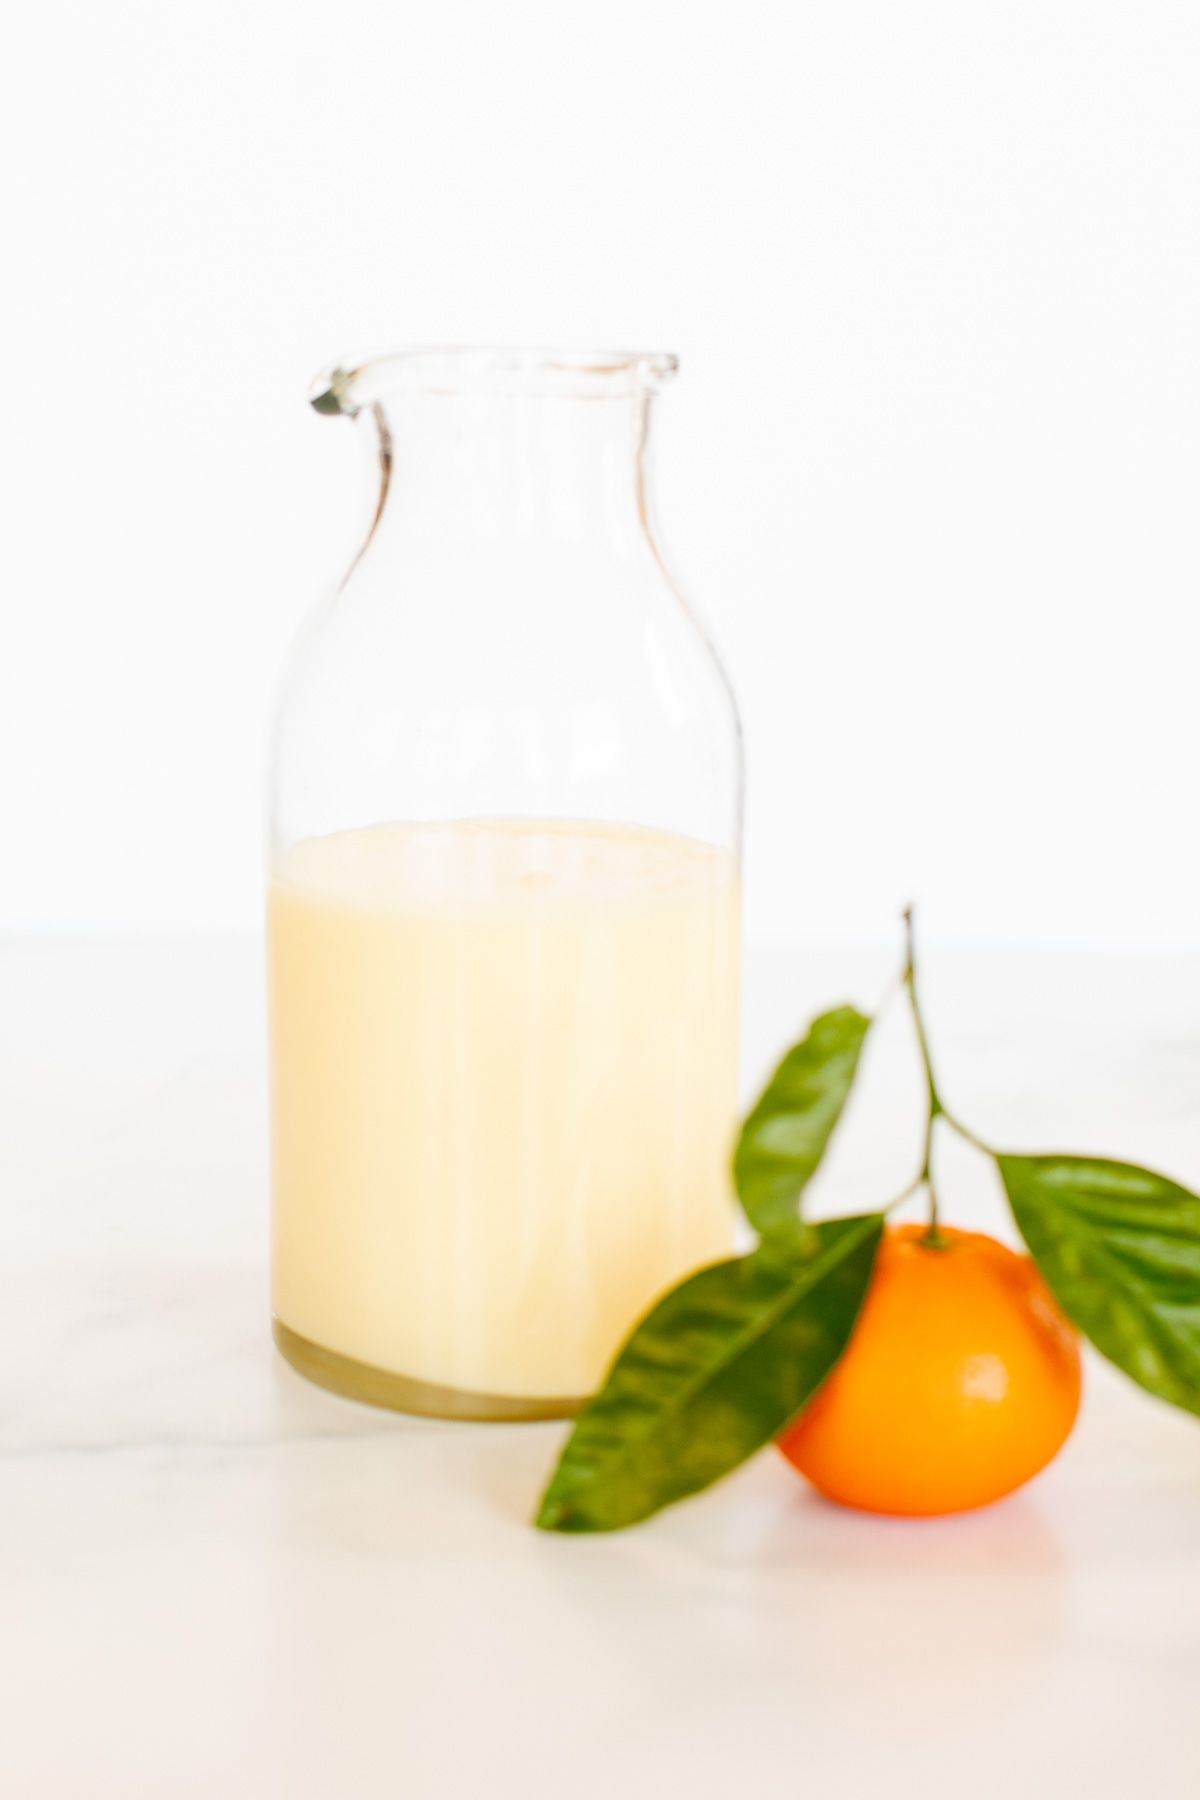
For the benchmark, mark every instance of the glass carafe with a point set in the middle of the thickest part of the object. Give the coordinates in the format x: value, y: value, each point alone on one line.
x: 503, y: 915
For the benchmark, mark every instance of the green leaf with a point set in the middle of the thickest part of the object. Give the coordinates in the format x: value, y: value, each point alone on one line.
x: 784, y: 1138
x: 713, y: 1373
x: 1120, y: 1248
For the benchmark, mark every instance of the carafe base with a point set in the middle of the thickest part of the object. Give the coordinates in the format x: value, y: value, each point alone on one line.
x: 402, y: 1393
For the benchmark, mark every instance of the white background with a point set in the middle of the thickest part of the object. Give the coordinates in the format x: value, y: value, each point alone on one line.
x: 932, y: 469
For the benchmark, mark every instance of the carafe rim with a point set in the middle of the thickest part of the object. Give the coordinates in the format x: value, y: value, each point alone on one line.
x: 460, y: 371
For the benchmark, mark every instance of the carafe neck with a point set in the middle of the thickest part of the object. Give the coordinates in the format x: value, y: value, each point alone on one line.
x: 509, y: 468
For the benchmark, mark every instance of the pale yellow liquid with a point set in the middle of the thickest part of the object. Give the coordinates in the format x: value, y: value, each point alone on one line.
x: 504, y: 1093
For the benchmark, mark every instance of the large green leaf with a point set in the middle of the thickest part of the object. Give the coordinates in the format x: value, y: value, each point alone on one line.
x: 784, y: 1138
x: 713, y: 1373
x: 1120, y: 1247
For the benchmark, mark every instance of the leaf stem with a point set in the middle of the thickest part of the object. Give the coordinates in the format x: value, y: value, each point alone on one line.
x: 936, y: 1108
x: 914, y: 1186
x: 965, y: 1132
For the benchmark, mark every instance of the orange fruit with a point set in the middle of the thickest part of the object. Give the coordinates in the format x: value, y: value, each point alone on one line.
x: 960, y: 1382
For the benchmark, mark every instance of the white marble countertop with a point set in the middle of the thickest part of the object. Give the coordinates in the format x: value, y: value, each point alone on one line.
x: 219, y: 1581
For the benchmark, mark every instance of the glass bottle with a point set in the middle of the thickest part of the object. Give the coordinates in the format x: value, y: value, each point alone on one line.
x: 503, y: 917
